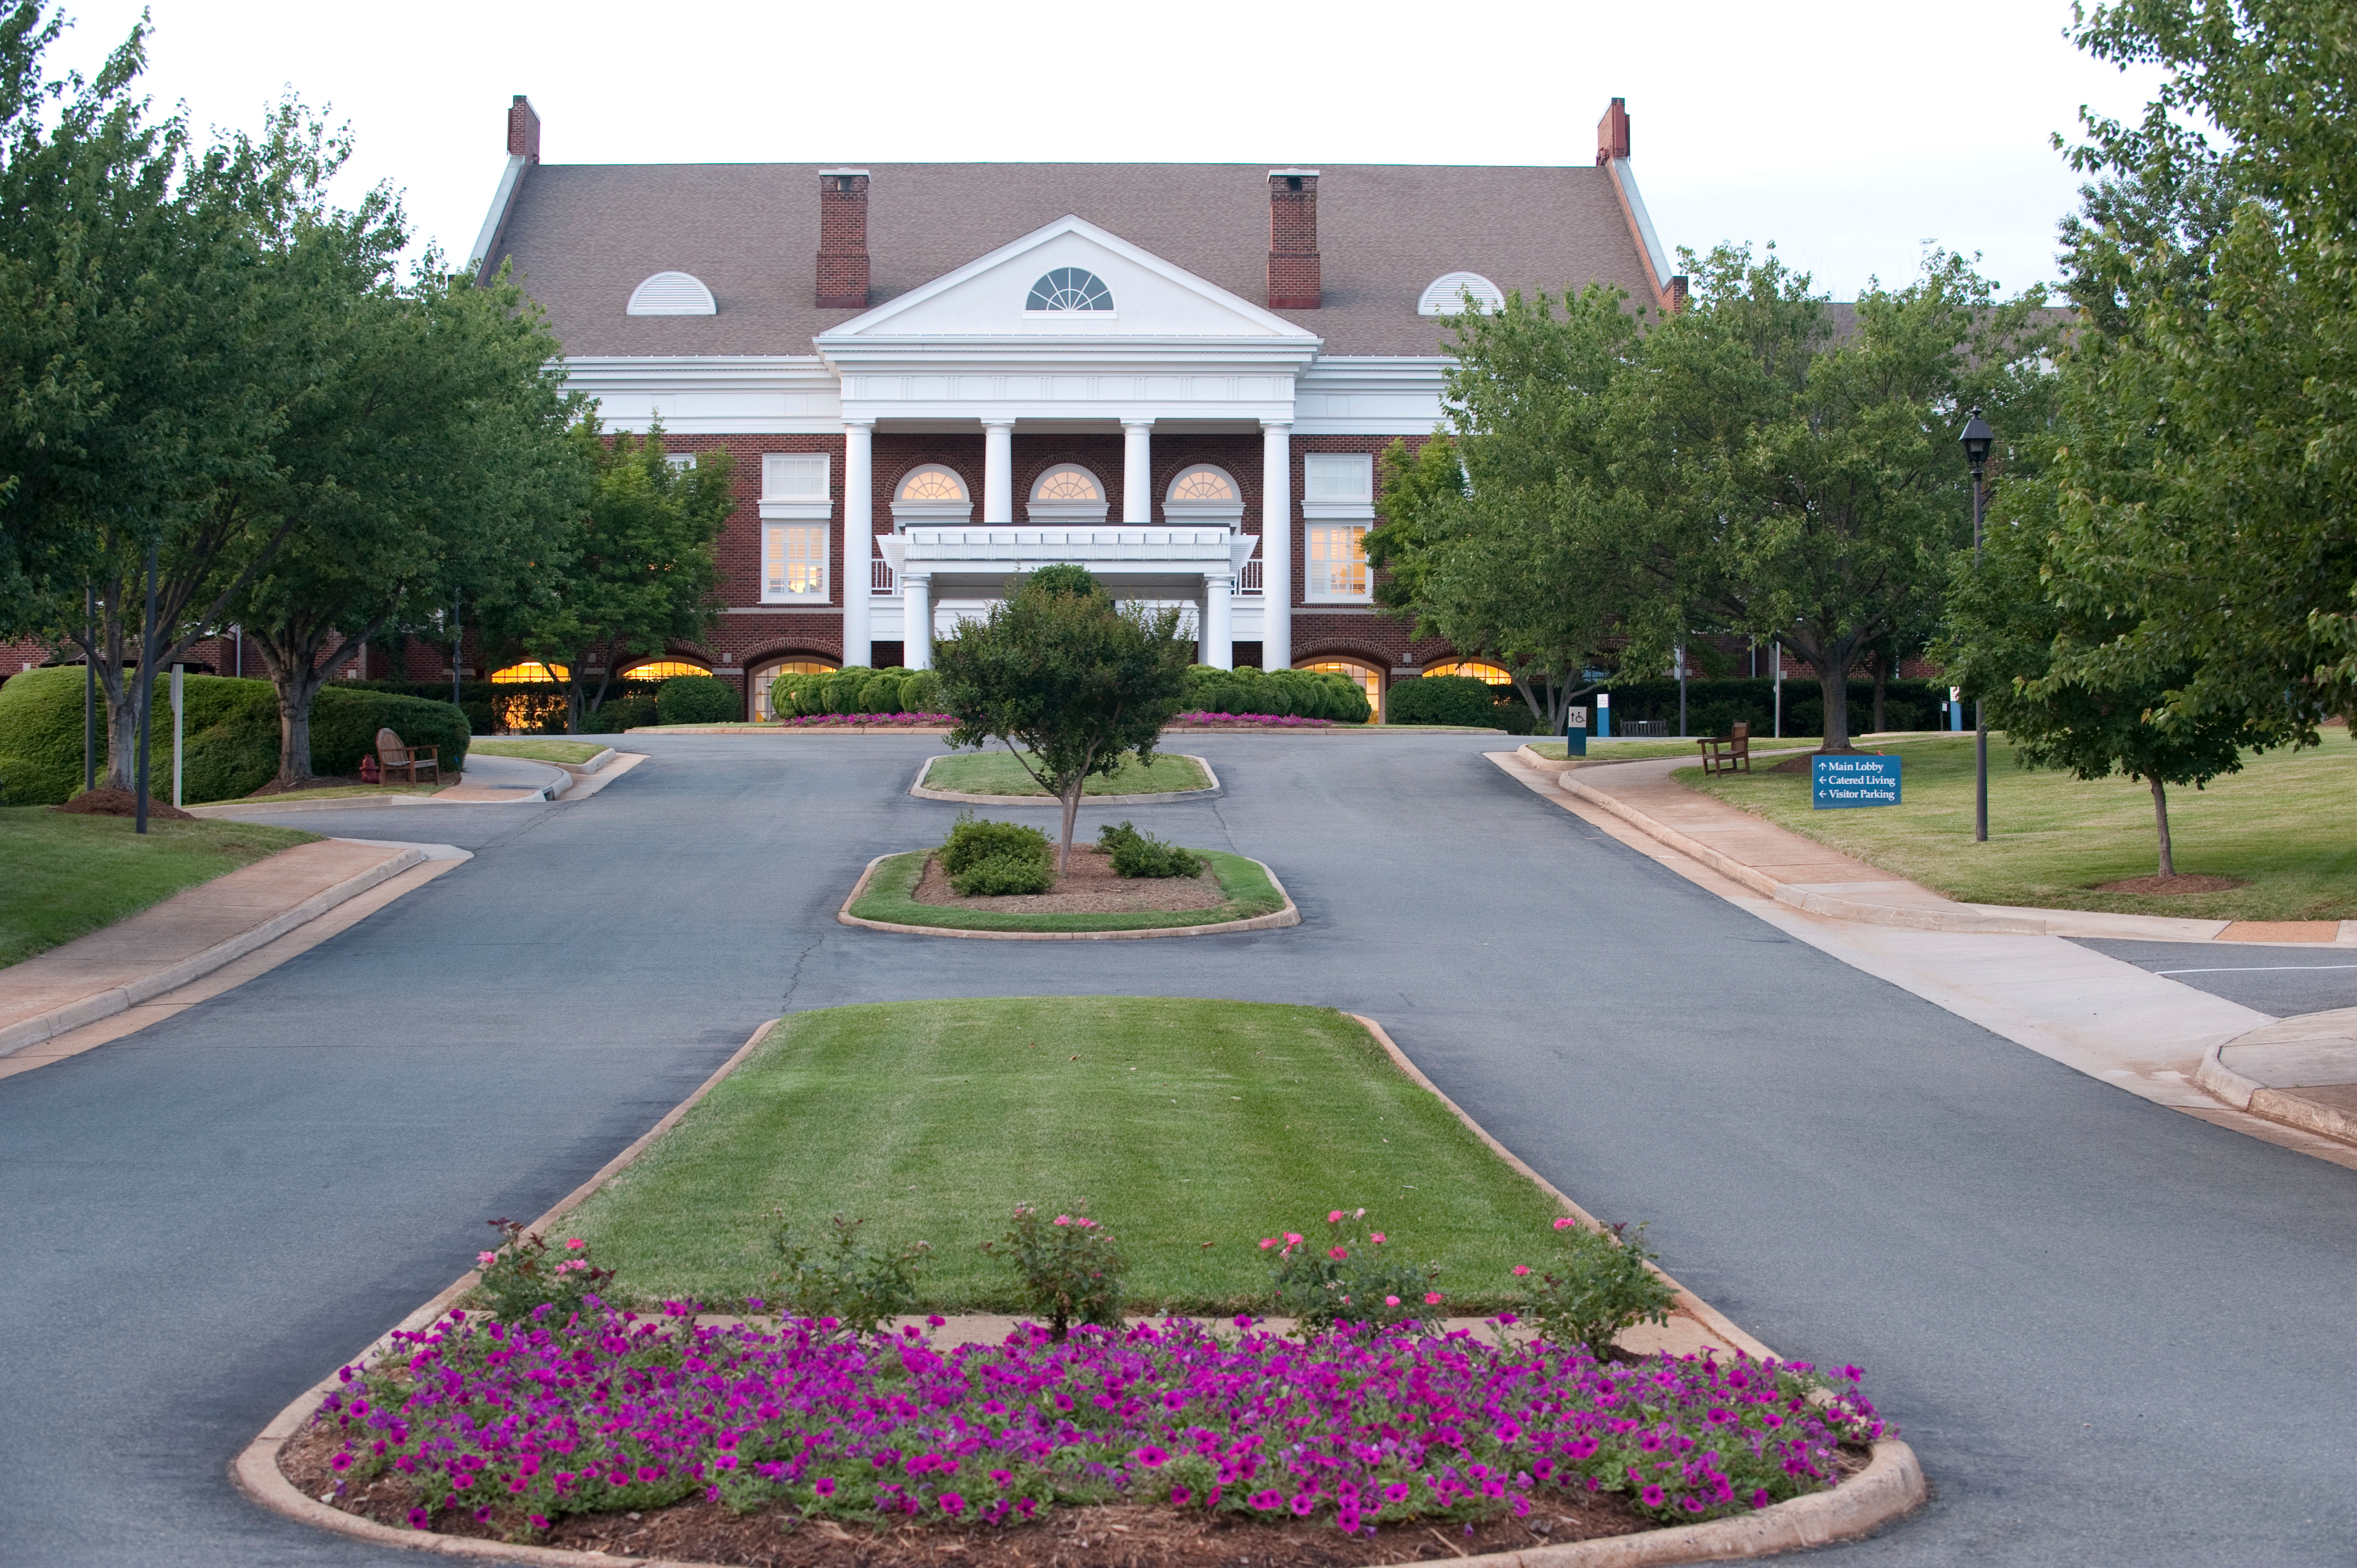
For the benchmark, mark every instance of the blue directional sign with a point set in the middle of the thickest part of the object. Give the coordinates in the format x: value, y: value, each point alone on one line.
x: 1845, y: 782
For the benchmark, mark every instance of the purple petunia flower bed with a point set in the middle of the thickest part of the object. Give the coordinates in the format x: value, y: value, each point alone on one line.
x: 514, y: 1425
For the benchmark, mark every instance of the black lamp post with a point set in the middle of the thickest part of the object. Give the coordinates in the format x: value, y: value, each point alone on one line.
x: 1977, y: 439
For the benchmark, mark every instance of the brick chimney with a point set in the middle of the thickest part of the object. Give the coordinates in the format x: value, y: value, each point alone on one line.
x: 843, y: 239
x: 523, y: 130
x: 1677, y: 293
x: 1612, y: 133
x: 1294, y: 282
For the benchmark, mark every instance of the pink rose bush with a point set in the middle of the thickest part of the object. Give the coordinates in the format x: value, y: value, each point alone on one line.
x: 516, y: 1423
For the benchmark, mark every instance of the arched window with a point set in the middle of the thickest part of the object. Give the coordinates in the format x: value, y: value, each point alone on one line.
x: 764, y: 673
x: 1475, y: 669
x: 1445, y: 296
x: 1070, y: 289
x: 524, y: 674
x: 1067, y: 482
x: 1366, y: 677
x: 661, y: 670
x: 932, y: 483
x: 671, y: 294
x: 1205, y: 483
x: 1067, y: 493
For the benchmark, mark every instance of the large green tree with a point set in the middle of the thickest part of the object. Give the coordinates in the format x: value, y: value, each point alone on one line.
x: 426, y: 466
x: 1804, y: 484
x: 1511, y: 534
x: 2206, y: 489
x: 1067, y: 679
x: 633, y: 569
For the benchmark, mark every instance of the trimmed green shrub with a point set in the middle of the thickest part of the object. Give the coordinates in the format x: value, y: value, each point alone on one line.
x: 697, y: 699
x: 843, y: 689
x: 972, y: 842
x: 880, y: 694
x: 1444, y: 699
x: 616, y: 715
x: 1297, y: 694
x: 1135, y: 854
x: 344, y: 724
x: 920, y: 693
x: 998, y: 875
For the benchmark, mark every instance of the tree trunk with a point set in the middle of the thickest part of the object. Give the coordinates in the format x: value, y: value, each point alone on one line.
x: 295, y: 695
x: 1071, y: 809
x: 292, y: 656
x: 2160, y: 821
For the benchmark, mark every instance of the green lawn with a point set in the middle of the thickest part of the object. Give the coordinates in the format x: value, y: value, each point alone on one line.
x: 332, y: 792
x: 1643, y: 750
x: 997, y: 772
x: 534, y: 749
x: 2284, y: 824
x: 1248, y: 888
x: 68, y: 876
x: 1191, y: 1128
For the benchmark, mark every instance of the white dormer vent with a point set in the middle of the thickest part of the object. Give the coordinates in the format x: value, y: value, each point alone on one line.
x: 672, y: 294
x: 1445, y: 296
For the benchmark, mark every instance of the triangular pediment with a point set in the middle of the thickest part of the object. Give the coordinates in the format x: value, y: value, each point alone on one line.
x: 988, y: 297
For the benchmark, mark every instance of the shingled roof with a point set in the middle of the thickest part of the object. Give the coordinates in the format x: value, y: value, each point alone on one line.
x: 583, y: 235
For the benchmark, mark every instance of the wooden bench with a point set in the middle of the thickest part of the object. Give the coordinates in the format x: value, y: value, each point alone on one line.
x: 1725, y: 753
x: 391, y: 754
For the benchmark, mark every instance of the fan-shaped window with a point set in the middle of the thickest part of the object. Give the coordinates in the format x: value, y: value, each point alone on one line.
x: 1070, y: 289
x: 1204, y: 483
x: 671, y: 294
x: 1445, y: 295
x: 1476, y: 670
x: 662, y: 670
x: 1067, y: 482
x: 932, y: 483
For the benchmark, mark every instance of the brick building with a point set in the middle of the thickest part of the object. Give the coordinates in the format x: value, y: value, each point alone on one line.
x: 932, y: 376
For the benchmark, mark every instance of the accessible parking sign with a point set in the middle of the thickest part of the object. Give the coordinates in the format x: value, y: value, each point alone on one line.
x: 1845, y: 782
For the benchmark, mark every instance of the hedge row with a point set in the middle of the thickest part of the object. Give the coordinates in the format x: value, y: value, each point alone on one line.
x: 1283, y: 693
x: 232, y: 731
x: 855, y: 689
x: 1459, y: 700
x: 531, y: 707
x: 1714, y: 707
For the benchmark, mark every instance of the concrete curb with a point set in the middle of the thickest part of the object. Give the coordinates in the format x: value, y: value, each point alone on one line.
x: 1276, y: 919
x: 612, y: 769
x: 337, y: 804
x: 107, y: 1004
x: 1890, y: 1486
x: 1164, y: 798
x: 2283, y: 1105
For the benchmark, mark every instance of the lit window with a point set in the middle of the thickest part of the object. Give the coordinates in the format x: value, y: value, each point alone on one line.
x: 787, y: 477
x: 1445, y: 296
x: 1478, y: 670
x: 1348, y: 477
x: 1203, y: 484
x: 1338, y: 560
x: 1364, y: 677
x: 1067, y: 482
x: 766, y: 674
x: 932, y: 483
x: 1070, y: 289
x: 793, y: 560
x: 519, y: 675
x: 662, y: 670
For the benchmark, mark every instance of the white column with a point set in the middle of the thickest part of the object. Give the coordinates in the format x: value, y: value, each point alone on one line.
x: 916, y: 620
x: 1277, y: 545
x: 858, y: 537
x: 997, y: 471
x: 1137, y: 470
x: 1219, y: 622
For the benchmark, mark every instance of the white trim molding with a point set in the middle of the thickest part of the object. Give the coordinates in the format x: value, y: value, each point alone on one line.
x: 719, y: 396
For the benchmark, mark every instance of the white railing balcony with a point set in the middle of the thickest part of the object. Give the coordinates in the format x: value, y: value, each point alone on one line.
x: 881, y: 578
x: 1248, y: 580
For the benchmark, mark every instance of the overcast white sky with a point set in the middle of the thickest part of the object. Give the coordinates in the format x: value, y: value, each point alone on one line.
x: 1847, y: 131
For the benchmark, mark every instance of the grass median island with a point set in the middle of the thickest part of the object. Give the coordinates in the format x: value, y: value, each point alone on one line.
x: 2282, y: 827
x: 889, y: 898
x: 1191, y: 1128
x: 537, y: 749
x: 997, y: 772
x: 69, y: 876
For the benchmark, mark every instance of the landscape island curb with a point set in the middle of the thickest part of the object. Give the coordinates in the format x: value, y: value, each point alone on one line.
x: 1167, y: 797
x: 1891, y: 1486
x: 1289, y: 916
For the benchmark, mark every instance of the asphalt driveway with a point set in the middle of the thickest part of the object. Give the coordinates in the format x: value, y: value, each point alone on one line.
x: 2114, y: 1333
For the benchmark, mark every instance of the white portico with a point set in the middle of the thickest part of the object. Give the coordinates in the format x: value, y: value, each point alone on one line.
x: 1070, y: 330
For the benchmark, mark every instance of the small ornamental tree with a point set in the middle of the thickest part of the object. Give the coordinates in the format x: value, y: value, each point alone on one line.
x: 1066, y: 680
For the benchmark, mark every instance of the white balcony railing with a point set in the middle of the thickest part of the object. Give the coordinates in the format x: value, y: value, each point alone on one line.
x: 1248, y: 580
x: 880, y: 580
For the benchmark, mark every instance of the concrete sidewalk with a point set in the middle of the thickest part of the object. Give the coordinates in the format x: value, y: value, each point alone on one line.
x: 2015, y: 975
x: 2299, y: 1071
x: 186, y: 937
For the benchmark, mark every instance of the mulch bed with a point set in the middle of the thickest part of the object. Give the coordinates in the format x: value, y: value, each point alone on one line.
x: 122, y: 803
x: 1112, y: 1536
x: 1089, y: 886
x: 2166, y: 887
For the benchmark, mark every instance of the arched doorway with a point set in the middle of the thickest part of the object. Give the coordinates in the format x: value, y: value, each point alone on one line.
x: 762, y: 674
x: 1368, y: 677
